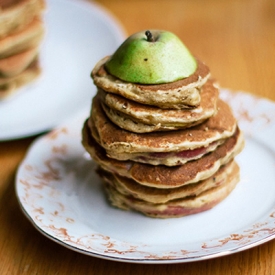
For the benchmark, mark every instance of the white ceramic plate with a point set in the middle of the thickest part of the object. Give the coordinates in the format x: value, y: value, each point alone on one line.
x: 61, y: 194
x: 78, y: 34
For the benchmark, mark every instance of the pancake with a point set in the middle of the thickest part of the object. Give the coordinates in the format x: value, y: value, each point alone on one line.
x: 128, y: 187
x: 16, y: 14
x: 16, y: 64
x: 9, y: 86
x: 29, y: 37
x: 161, y: 176
x: 139, y: 118
x: 175, y: 208
x: 165, y: 158
x: 184, y: 93
x: 123, y: 145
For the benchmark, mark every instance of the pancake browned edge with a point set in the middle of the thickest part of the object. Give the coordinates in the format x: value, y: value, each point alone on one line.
x: 161, y: 176
x: 140, y: 118
x: 184, y: 93
x: 16, y: 14
x: 9, y: 86
x: 178, y: 207
x: 167, y: 148
x: 29, y: 37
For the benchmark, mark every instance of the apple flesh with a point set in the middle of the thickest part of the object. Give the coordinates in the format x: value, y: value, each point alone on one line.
x: 151, y: 57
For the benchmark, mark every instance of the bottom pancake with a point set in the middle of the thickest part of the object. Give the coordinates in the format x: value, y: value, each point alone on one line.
x: 175, y: 208
x: 128, y: 186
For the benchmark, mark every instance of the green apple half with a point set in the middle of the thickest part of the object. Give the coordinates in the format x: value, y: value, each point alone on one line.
x: 151, y: 57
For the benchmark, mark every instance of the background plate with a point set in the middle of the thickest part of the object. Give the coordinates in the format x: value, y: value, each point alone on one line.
x: 78, y: 34
x: 61, y: 195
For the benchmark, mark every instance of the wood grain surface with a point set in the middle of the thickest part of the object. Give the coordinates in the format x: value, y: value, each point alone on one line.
x: 237, y: 41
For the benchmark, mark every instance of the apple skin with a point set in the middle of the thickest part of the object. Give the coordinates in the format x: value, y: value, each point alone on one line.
x: 164, y: 60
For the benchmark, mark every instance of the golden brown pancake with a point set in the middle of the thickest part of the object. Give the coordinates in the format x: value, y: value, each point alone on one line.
x: 178, y: 207
x: 15, y: 15
x: 180, y: 94
x: 161, y: 176
x: 16, y: 64
x: 140, y: 118
x: 27, y: 38
x: 165, y: 158
x: 129, y: 187
x: 9, y: 86
x: 123, y: 145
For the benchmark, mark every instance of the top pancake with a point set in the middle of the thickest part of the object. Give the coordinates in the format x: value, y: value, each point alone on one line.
x: 140, y: 118
x: 184, y: 93
x: 16, y: 14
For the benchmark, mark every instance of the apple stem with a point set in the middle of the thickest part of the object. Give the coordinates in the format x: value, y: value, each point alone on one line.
x: 150, y: 37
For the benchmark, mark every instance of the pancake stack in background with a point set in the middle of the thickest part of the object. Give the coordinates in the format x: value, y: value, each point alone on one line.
x: 21, y: 33
x: 166, y: 150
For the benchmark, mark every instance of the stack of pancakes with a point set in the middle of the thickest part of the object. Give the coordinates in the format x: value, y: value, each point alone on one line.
x: 21, y: 33
x: 165, y: 150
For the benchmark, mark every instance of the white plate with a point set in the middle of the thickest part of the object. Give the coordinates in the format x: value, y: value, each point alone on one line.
x: 61, y: 194
x: 78, y: 34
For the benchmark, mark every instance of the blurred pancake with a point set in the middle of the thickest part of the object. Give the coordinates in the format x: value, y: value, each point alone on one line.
x: 161, y: 176
x: 180, y: 94
x: 150, y: 147
x: 178, y: 207
x: 9, y: 86
x: 140, y: 118
x: 27, y: 38
x: 129, y: 187
x: 16, y: 64
x: 15, y: 15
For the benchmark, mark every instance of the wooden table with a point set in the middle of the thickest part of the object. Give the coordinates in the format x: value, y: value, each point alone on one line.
x: 237, y: 40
